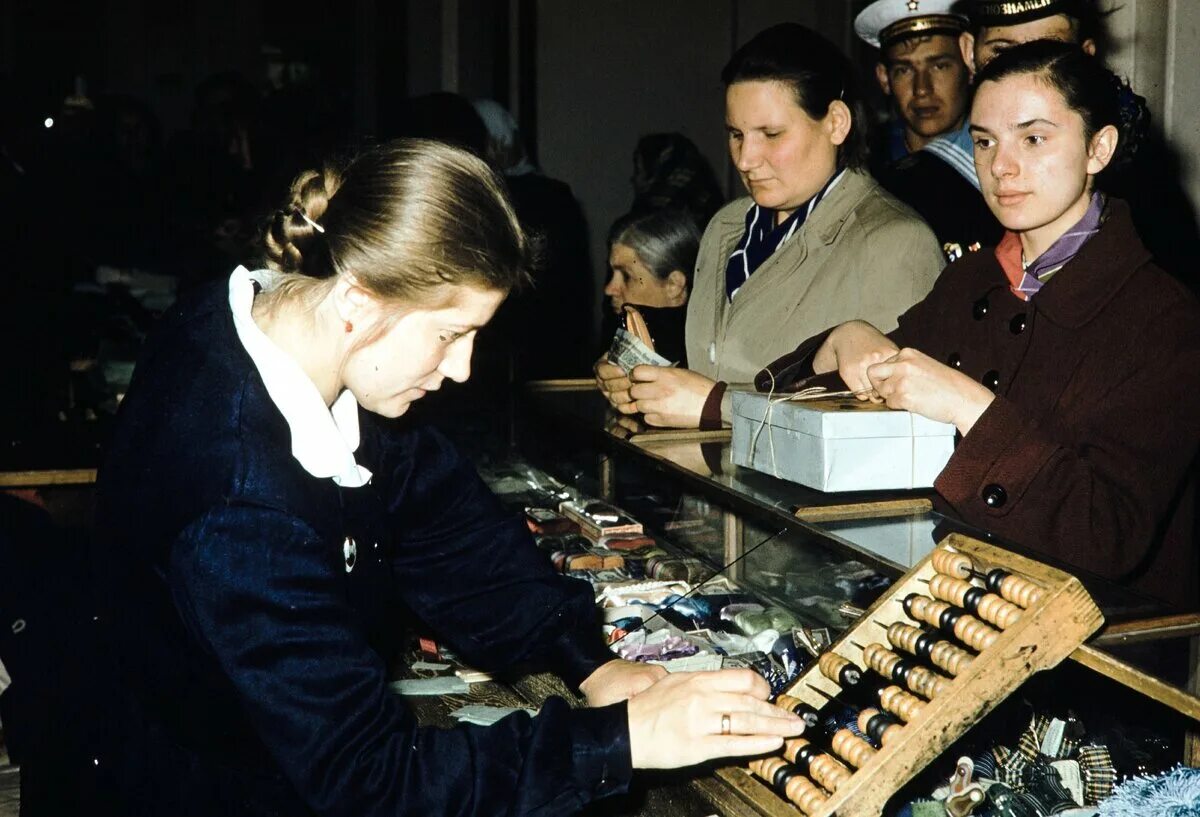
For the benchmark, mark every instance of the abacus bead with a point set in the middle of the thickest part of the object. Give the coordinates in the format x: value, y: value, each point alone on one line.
x: 996, y: 579
x: 789, y: 703
x: 769, y: 765
x: 952, y: 564
x: 852, y: 748
x: 782, y: 775
x: 805, y: 794
x: 829, y: 773
x: 973, y: 597
x: 900, y: 703
x: 1022, y: 591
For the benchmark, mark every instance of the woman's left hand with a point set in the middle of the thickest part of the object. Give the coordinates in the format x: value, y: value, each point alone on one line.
x: 670, y: 397
x: 619, y: 680
x: 913, y: 381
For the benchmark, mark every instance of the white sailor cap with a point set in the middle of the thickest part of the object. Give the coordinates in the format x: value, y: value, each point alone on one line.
x: 885, y: 21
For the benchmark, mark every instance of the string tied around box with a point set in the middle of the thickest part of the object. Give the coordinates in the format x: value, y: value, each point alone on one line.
x: 811, y: 393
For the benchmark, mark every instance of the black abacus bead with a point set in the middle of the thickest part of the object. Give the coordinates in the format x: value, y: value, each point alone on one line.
x: 850, y: 676
x: 877, y: 725
x: 924, y: 645
x: 995, y: 578
x: 782, y: 775
x: 804, y: 757
x: 949, y: 618
x: 972, y: 598
x: 908, y: 602
x: 901, y: 671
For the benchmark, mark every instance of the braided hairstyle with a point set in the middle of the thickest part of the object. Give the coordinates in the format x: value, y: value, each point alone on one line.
x: 405, y: 217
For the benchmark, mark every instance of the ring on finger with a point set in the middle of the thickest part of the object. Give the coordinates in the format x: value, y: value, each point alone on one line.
x: 726, y: 724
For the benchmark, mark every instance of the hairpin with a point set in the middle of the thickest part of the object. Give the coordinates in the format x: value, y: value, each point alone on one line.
x: 311, y: 223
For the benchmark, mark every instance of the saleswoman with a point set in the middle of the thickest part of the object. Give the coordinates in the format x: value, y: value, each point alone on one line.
x: 1068, y: 361
x: 817, y: 241
x: 261, y: 525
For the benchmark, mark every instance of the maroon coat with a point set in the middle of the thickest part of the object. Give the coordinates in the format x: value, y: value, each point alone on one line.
x: 1087, y: 450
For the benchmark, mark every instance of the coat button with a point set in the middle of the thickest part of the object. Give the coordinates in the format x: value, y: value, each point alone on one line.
x: 1017, y: 324
x: 991, y: 379
x: 994, y: 496
x: 980, y: 309
x: 954, y: 360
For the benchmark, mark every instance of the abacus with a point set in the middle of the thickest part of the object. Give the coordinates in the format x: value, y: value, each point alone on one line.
x: 947, y: 643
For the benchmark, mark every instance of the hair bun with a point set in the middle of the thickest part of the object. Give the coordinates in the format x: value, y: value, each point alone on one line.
x: 294, y: 230
x: 1134, y: 125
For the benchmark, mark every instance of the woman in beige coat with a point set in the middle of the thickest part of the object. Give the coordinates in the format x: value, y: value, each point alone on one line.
x: 817, y: 240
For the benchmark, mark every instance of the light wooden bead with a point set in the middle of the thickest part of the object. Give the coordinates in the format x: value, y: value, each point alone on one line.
x: 1020, y: 591
x: 851, y: 748
x: 969, y: 630
x: 974, y: 633
x: 952, y: 659
x: 991, y: 608
x: 833, y: 667
x: 951, y: 564
x: 769, y: 765
x: 1002, y: 613
x: 792, y: 747
x: 788, y: 702
x: 805, y: 794
x: 948, y: 588
x: 880, y: 659
x: 900, y: 703
x: 926, y: 682
x: 828, y: 772
x: 942, y: 653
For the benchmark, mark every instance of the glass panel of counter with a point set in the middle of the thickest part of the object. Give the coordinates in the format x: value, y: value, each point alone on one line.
x: 800, y: 532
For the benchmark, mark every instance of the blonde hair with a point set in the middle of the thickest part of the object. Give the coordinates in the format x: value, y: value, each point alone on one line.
x: 406, y: 218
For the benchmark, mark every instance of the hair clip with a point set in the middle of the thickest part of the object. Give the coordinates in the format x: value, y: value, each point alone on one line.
x: 311, y: 223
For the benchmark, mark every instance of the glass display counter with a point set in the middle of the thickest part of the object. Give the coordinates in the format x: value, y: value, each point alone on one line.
x: 802, y: 549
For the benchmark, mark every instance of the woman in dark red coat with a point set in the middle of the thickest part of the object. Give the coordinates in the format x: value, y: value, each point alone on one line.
x: 1068, y: 361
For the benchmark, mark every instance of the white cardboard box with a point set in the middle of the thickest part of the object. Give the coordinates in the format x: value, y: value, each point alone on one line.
x: 838, y: 444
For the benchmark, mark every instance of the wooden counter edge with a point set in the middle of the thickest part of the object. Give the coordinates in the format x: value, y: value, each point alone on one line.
x: 1129, y: 676
x: 37, y: 479
x: 864, y: 510
x: 562, y: 384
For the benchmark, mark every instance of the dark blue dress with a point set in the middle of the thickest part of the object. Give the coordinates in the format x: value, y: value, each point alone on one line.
x: 251, y: 661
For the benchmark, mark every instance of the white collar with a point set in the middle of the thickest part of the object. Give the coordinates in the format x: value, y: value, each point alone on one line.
x: 323, y: 439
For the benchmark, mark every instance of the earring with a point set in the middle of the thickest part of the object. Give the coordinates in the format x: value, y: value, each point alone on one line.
x: 349, y: 327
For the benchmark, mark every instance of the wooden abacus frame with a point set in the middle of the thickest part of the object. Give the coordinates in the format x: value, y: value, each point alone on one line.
x: 1048, y: 631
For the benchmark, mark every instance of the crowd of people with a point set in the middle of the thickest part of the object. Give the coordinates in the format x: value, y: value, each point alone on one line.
x: 262, y: 516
